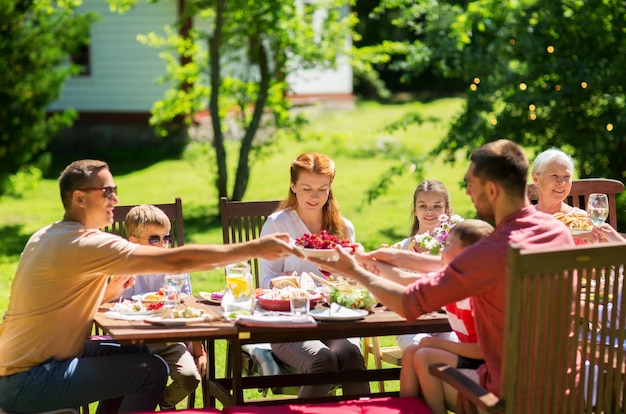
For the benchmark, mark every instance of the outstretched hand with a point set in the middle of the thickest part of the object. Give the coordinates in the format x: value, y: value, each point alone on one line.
x: 344, y: 265
x: 385, y: 254
x: 368, y: 263
x: 275, y: 246
x: 606, y: 233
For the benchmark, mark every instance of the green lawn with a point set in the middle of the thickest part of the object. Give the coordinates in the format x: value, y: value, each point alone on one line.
x: 341, y: 135
x: 348, y: 136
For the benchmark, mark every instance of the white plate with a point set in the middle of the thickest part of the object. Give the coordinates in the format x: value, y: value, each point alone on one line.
x: 142, y: 296
x: 343, y: 314
x: 143, y: 312
x: 158, y: 320
x: 579, y: 232
x: 207, y: 296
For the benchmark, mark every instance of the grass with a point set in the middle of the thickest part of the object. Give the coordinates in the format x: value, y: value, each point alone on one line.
x: 350, y: 137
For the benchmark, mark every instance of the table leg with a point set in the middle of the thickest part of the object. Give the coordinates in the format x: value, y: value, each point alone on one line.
x: 237, y: 372
x: 208, y: 397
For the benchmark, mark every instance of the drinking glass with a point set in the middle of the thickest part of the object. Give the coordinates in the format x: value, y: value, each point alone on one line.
x: 598, y: 208
x: 299, y: 307
x: 172, y: 287
x: 238, y: 295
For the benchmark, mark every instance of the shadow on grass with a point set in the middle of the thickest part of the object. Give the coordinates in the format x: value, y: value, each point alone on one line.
x: 13, y: 241
x: 392, y: 234
x: 122, y: 159
x: 200, y: 219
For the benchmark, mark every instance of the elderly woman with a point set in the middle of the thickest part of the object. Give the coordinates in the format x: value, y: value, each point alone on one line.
x: 552, y: 174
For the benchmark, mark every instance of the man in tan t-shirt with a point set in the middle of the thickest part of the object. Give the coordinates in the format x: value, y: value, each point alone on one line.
x: 45, y: 362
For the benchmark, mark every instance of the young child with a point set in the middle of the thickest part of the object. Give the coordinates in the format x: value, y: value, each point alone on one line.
x: 465, y: 354
x: 430, y: 201
x: 148, y: 225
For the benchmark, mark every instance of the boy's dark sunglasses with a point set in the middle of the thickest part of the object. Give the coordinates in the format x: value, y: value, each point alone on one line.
x: 155, y: 239
x: 107, y: 191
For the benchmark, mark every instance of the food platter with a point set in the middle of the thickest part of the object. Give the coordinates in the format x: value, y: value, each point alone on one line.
x: 281, y: 304
x: 212, y: 297
x: 158, y: 320
x: 138, y: 312
x: 339, y: 313
x: 152, y: 297
x: 136, y: 308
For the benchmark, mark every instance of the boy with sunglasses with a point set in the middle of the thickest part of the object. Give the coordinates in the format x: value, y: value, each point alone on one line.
x: 148, y: 225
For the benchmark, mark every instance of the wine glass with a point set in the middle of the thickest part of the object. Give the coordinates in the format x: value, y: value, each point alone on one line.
x: 598, y: 208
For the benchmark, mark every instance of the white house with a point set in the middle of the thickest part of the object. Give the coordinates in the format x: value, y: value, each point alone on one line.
x: 120, y: 82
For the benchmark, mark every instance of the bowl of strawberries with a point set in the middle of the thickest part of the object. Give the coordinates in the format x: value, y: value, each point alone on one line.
x: 322, y: 246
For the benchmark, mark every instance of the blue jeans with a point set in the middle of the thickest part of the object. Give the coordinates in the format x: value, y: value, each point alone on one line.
x: 122, y: 378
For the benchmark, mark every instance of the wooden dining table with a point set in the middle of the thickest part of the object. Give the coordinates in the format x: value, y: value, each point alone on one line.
x: 229, y: 389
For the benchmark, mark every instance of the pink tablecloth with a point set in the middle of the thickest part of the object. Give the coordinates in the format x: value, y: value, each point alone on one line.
x: 386, y: 405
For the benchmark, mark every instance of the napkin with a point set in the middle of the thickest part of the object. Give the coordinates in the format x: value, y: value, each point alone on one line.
x: 275, y: 321
x: 337, y: 309
x: 117, y: 315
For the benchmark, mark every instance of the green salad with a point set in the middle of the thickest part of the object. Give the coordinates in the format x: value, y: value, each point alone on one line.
x: 357, y: 298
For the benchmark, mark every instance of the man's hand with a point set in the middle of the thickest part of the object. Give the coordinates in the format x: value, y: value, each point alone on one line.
x: 344, y: 265
x: 275, y: 246
x: 368, y: 263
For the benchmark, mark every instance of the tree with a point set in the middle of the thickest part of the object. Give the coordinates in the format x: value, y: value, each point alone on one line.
x: 547, y: 74
x: 540, y: 73
x: 242, y: 72
x: 37, y: 38
x: 543, y: 74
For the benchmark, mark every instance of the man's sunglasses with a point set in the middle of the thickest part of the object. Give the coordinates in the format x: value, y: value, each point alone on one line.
x: 107, y: 191
x: 156, y: 240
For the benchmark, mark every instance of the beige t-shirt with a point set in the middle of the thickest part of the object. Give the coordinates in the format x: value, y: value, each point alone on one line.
x: 58, y: 286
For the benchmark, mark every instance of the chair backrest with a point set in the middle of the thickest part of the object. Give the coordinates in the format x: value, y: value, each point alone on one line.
x: 564, y: 305
x: 581, y: 189
x: 243, y: 221
x: 173, y: 210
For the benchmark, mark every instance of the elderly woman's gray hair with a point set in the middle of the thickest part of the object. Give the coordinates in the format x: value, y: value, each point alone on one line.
x: 549, y: 156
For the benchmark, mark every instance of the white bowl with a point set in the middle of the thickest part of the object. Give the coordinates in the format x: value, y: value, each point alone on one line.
x: 324, y: 254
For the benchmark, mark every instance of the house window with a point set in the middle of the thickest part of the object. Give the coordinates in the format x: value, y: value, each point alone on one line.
x: 82, y: 58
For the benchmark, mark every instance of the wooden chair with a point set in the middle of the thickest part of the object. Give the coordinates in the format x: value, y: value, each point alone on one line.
x: 389, y: 354
x: 243, y: 221
x: 563, y: 305
x: 581, y: 189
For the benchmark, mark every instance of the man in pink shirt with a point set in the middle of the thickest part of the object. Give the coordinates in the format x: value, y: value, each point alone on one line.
x: 496, y: 182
